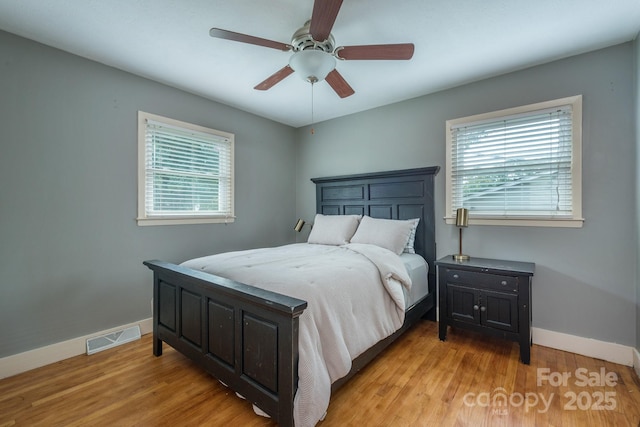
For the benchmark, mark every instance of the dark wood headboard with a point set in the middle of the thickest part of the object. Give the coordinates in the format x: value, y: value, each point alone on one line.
x: 401, y: 194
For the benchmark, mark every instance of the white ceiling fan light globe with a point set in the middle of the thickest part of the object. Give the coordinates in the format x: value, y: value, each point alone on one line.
x: 312, y: 65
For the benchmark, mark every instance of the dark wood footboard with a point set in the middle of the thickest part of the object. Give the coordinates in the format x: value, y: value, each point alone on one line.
x: 245, y: 336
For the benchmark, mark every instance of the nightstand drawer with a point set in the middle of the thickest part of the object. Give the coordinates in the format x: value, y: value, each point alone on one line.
x: 496, y: 282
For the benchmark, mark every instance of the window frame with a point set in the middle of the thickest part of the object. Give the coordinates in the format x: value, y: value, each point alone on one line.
x: 576, y: 220
x: 144, y: 219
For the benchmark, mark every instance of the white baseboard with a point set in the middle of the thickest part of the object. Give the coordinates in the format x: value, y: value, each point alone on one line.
x: 611, y: 352
x: 18, y: 363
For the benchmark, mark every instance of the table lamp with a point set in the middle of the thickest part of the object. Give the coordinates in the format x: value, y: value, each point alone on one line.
x: 462, y: 221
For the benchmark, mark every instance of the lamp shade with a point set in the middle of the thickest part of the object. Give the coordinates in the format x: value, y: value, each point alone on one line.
x: 462, y: 217
x: 312, y: 65
x: 299, y: 225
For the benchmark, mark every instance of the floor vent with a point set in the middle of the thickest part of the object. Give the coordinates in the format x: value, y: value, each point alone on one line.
x: 112, y: 339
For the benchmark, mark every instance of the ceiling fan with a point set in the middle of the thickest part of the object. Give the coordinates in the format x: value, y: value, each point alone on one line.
x: 314, y: 50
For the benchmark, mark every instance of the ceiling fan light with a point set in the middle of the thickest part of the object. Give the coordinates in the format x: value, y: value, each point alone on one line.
x: 312, y: 65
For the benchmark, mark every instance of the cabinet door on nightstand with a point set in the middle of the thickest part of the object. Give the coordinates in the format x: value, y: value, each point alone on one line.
x: 462, y: 303
x: 500, y: 311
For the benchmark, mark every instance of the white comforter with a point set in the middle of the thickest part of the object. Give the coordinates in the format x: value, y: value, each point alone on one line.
x: 355, y: 299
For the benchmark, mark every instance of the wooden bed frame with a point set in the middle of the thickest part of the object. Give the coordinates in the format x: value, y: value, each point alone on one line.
x: 247, y: 337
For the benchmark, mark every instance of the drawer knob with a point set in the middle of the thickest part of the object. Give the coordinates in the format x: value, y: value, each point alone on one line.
x: 455, y: 276
x: 475, y: 307
x: 483, y: 308
x: 503, y: 283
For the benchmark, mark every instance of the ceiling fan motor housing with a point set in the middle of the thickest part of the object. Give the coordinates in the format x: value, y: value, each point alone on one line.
x: 302, y: 40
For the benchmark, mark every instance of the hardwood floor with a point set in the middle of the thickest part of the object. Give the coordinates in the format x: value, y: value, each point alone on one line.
x: 419, y: 381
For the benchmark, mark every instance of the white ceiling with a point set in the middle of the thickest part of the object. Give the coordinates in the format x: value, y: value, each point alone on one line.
x: 457, y: 41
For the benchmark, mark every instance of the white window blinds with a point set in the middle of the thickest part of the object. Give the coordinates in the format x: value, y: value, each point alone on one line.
x: 514, y: 166
x: 188, y: 171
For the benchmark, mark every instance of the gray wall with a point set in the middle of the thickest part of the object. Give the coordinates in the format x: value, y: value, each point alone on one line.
x: 585, y: 281
x: 70, y: 251
x: 636, y: 45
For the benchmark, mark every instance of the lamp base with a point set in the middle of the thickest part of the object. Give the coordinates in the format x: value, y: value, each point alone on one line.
x: 461, y: 257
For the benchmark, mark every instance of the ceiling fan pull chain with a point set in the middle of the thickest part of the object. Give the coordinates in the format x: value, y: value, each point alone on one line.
x: 313, y: 131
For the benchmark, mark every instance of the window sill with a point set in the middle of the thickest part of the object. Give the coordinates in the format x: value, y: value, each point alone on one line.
x: 183, y: 220
x: 524, y: 222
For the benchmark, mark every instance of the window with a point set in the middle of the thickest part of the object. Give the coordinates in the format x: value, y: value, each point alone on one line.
x: 185, y: 172
x: 520, y: 166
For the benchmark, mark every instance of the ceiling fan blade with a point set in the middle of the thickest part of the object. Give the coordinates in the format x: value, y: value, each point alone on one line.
x: 275, y: 78
x: 244, y: 38
x: 339, y: 84
x: 323, y: 17
x: 376, y: 51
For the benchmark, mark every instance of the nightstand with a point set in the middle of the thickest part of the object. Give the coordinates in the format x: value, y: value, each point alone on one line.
x: 490, y: 296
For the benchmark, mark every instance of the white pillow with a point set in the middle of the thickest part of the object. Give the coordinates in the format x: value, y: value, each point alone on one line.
x: 409, y: 249
x: 387, y: 233
x: 333, y: 229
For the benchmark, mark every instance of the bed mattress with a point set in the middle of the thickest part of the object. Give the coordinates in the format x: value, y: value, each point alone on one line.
x: 418, y: 270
